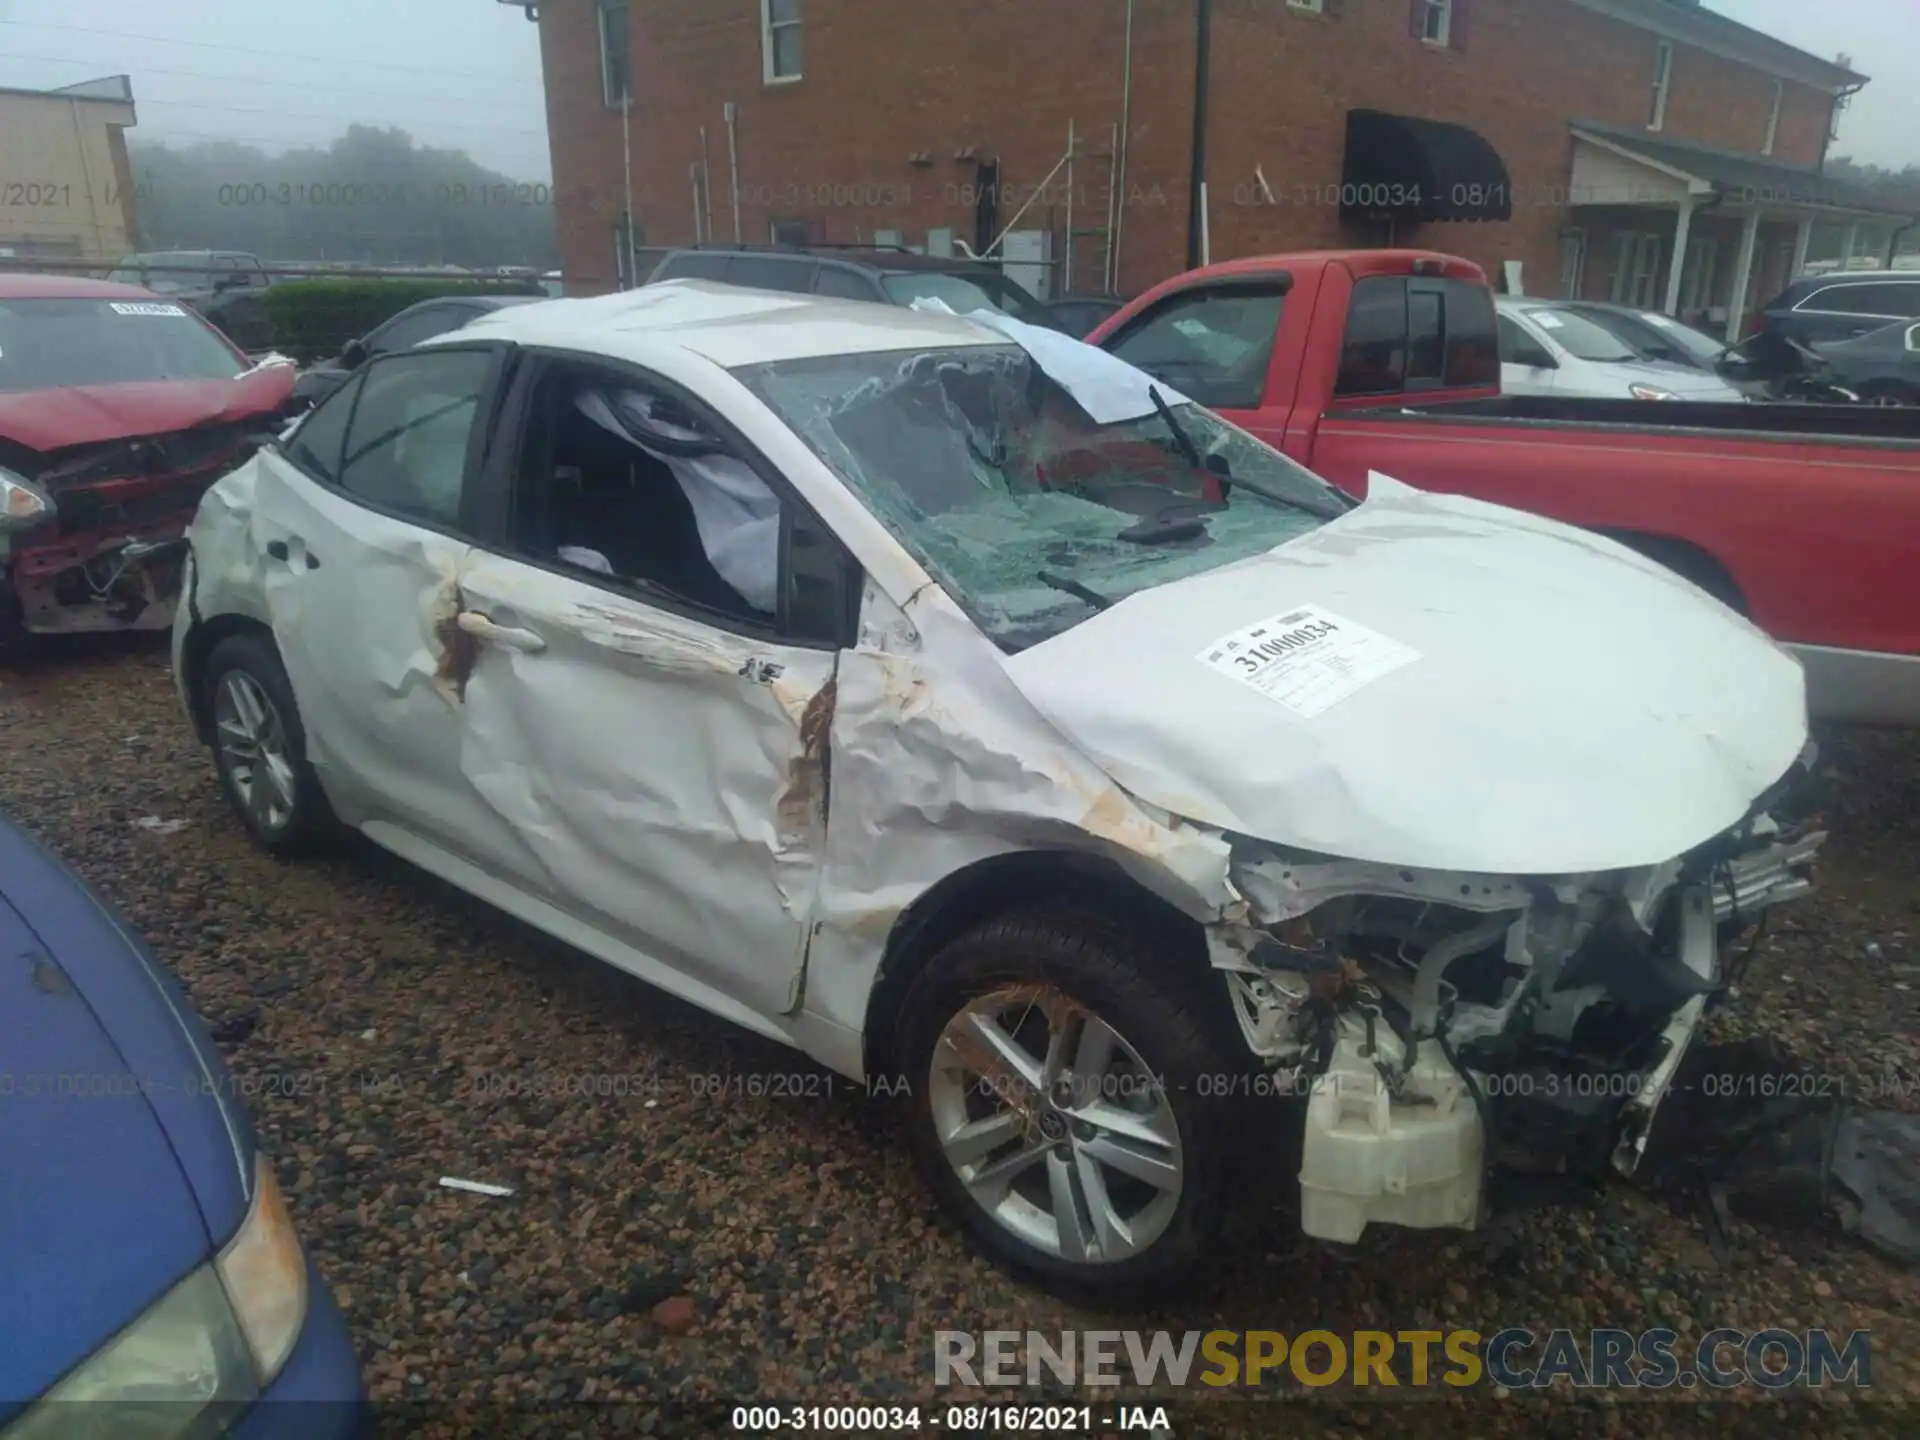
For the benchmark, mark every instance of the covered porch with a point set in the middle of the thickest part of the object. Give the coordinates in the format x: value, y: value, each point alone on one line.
x: 1705, y: 235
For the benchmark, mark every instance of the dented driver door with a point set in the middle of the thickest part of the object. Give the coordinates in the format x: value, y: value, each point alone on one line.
x: 667, y: 772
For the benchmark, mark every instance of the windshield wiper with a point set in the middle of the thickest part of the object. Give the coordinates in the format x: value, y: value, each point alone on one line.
x: 1076, y: 589
x: 1180, y: 436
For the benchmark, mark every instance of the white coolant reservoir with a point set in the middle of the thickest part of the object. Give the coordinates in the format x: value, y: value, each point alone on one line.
x: 1371, y: 1157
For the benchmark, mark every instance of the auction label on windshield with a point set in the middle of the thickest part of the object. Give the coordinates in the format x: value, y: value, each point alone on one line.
x: 144, y: 307
x: 1308, y: 659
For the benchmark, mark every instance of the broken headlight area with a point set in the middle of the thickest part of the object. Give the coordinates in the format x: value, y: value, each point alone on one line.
x: 1442, y: 1027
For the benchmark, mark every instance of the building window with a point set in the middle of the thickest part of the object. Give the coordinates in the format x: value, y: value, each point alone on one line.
x: 616, y: 53
x: 1662, y: 79
x: 1773, y: 116
x: 1635, y: 274
x: 1312, y: 7
x: 1433, y: 20
x: 780, y: 40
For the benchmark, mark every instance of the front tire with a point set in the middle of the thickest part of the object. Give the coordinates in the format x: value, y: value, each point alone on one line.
x: 1058, y: 1110
x: 260, y: 748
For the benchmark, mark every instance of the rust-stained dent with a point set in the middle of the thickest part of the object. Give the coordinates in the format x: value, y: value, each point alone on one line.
x: 810, y: 773
x: 459, y: 652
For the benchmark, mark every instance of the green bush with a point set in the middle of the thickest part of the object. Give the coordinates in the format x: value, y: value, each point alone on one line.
x: 311, y: 319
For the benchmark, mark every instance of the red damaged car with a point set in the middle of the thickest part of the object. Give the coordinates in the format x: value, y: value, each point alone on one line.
x: 118, y: 408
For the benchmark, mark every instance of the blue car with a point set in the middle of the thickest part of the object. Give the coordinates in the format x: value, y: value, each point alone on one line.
x: 151, y: 1283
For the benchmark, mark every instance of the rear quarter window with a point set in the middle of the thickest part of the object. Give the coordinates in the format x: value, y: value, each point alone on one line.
x: 1417, y: 334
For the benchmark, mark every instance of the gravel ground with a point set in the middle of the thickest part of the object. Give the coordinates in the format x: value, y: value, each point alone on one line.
x: 359, y: 1000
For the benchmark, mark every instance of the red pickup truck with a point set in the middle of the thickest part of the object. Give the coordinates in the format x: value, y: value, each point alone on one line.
x: 1807, y: 518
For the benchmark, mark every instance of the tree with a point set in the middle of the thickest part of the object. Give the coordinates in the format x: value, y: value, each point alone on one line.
x: 371, y: 196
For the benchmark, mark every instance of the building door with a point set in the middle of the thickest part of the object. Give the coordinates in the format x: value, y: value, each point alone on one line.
x: 986, y: 209
x: 1573, y: 263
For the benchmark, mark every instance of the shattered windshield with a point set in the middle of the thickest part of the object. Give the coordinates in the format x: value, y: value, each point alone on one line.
x: 1031, y: 514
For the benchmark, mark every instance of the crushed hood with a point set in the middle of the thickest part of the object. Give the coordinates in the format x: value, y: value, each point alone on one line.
x: 1448, y: 685
x: 90, y: 414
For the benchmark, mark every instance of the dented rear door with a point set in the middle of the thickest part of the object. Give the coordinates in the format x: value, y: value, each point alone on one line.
x: 669, y: 774
x: 358, y: 529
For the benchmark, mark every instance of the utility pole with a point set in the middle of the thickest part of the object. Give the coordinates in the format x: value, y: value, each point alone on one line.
x: 1197, y: 188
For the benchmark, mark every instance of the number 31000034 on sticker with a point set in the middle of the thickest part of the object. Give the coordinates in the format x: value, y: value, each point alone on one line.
x: 1308, y: 659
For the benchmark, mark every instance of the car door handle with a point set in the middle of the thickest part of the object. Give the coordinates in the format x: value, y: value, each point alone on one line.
x: 507, y: 637
x: 279, y: 550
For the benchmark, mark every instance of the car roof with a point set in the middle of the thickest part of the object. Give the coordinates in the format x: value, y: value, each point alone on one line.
x: 883, y: 262
x: 727, y: 324
x: 1851, y: 277
x: 478, y: 302
x: 67, y: 287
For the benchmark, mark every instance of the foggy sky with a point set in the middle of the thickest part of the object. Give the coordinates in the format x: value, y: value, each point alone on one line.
x: 466, y: 73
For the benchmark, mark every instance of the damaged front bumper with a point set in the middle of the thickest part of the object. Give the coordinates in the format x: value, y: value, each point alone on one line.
x: 1441, y: 1027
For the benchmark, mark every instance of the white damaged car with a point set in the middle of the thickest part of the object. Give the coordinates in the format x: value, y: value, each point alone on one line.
x: 949, y: 701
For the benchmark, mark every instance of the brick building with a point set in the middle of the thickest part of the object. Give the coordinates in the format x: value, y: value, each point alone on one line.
x: 1640, y: 149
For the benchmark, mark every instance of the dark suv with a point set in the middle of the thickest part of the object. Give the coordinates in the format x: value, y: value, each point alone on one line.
x: 886, y: 277
x: 225, y: 286
x: 1843, y: 304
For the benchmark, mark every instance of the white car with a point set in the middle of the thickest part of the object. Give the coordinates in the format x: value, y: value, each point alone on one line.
x: 1551, y: 349
x: 946, y: 699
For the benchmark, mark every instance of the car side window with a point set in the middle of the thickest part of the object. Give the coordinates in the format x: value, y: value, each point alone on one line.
x: 317, y: 445
x: 844, y: 284
x: 1895, y: 301
x: 623, y: 482
x: 1373, y: 355
x: 412, y: 427
x: 692, y: 266
x: 1517, y: 347
x: 406, y: 331
x: 1472, y: 345
x: 766, y: 272
x: 1212, y: 344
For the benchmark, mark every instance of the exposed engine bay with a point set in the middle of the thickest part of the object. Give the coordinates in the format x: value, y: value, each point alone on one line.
x: 1445, y: 1027
x: 105, y: 550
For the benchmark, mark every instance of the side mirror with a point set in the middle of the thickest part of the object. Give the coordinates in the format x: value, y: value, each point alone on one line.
x: 353, y: 354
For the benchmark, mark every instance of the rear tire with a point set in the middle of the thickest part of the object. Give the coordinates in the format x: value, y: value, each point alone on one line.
x: 260, y: 748
x: 1061, y: 1110
x: 1889, y: 393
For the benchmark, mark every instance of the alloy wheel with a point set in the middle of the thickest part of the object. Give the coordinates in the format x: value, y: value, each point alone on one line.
x: 1055, y: 1126
x: 252, y: 737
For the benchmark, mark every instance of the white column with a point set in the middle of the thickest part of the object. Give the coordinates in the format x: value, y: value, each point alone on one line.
x: 1742, y: 276
x: 1681, y: 227
x: 1853, y: 243
x: 1802, y: 239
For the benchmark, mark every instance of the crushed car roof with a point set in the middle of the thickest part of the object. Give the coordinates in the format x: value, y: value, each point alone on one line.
x: 728, y: 324
x: 67, y: 287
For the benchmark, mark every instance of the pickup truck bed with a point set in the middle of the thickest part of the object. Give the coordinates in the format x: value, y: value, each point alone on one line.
x: 1806, y: 517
